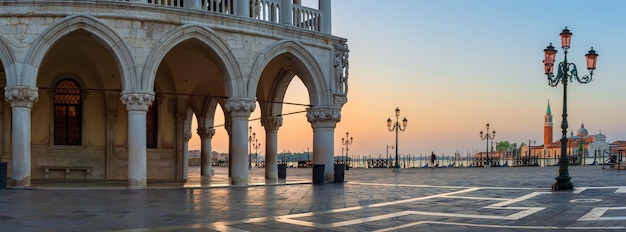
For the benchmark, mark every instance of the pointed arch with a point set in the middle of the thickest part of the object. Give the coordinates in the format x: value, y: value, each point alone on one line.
x: 102, y: 33
x: 310, y: 72
x: 8, y: 61
x: 224, y: 58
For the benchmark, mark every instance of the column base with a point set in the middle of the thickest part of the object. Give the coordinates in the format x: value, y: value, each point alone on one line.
x: 239, y: 181
x: 23, y: 183
x: 562, y: 183
x: 137, y: 184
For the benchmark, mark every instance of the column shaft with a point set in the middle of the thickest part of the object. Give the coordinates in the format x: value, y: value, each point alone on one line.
x: 239, y: 151
x: 243, y: 8
x: 21, y: 99
x: 137, y: 164
x: 206, y: 135
x: 186, y: 156
x: 21, y: 164
x: 285, y: 12
x: 324, y: 6
x: 137, y: 105
x: 324, y: 121
x: 239, y: 110
x: 271, y: 125
x: 323, y: 150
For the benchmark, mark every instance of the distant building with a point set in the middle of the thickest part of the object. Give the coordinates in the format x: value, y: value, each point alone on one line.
x: 589, y: 146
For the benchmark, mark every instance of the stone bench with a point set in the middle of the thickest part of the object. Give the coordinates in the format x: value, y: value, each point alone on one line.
x: 67, y: 169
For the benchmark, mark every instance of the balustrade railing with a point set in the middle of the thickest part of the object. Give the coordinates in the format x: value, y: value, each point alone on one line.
x: 175, y: 3
x: 306, y: 18
x: 219, y: 6
x: 264, y: 10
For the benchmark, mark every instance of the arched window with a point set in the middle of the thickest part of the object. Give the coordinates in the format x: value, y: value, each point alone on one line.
x: 68, y: 115
x: 152, y: 125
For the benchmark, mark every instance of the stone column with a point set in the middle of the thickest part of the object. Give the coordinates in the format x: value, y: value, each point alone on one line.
x: 324, y: 121
x: 187, y: 137
x: 206, y: 134
x: 21, y: 99
x: 285, y: 12
x: 243, y: 8
x: 228, y: 125
x: 324, y: 6
x: 239, y: 110
x: 193, y: 4
x: 271, y: 125
x: 137, y: 105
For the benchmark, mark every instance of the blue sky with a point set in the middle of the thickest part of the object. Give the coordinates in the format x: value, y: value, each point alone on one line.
x: 451, y: 66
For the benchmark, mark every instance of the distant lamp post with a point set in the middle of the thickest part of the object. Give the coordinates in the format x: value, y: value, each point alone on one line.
x: 251, y: 138
x: 486, y: 136
x: 397, y: 127
x: 256, y: 145
x: 346, y: 142
x: 529, y: 146
x: 388, y: 155
x: 566, y: 72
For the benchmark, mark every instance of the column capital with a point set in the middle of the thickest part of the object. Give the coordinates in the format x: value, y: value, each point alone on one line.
x: 137, y: 101
x: 240, y: 107
x: 323, y: 117
x: 21, y: 96
x: 206, y: 132
x: 271, y: 122
x: 187, y: 136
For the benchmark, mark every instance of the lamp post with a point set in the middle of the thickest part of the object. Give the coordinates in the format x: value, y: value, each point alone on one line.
x: 251, y: 137
x: 396, y: 126
x: 388, y: 154
x: 529, y: 147
x: 486, y: 136
x: 345, y: 141
x: 256, y: 145
x: 566, y: 72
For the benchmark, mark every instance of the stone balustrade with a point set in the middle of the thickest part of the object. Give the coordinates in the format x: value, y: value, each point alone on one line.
x: 264, y: 10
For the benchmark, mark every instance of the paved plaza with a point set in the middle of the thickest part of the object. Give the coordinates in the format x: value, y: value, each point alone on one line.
x: 444, y: 199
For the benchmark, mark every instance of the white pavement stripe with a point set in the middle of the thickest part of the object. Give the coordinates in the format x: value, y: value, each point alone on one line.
x: 502, y: 226
x: 515, y: 200
x: 476, y: 198
x: 621, y: 190
x: 595, y: 214
x: 522, y: 214
x: 579, y: 190
x: 376, y: 205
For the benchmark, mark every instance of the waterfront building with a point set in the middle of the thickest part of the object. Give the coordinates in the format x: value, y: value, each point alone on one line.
x: 106, y: 90
x: 581, y: 144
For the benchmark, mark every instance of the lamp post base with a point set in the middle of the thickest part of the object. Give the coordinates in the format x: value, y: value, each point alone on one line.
x: 562, y: 183
x: 396, y: 167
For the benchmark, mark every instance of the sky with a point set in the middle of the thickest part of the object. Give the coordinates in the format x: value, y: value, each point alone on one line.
x: 452, y: 66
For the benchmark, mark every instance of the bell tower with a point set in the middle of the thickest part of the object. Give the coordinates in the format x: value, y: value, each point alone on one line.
x: 547, y: 126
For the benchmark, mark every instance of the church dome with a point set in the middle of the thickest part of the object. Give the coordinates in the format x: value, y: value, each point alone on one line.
x: 582, y: 131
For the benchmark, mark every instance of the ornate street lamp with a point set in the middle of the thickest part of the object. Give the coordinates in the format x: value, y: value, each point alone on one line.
x: 345, y: 141
x: 252, y: 137
x: 396, y: 126
x: 487, y: 137
x: 256, y: 145
x: 567, y: 72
